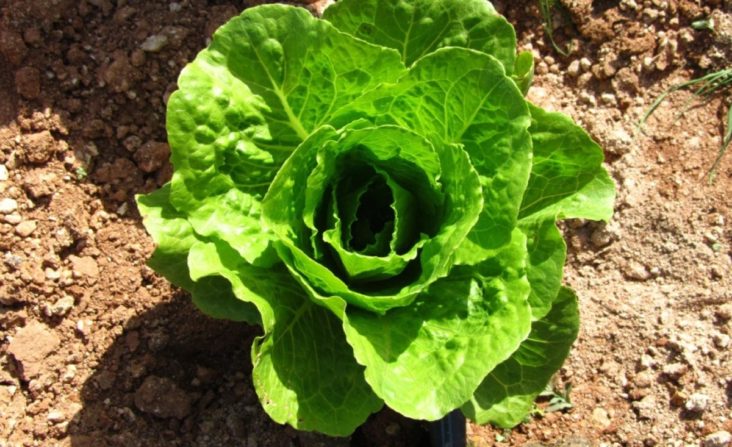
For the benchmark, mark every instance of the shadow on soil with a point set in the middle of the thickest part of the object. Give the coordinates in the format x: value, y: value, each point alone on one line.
x: 175, y: 377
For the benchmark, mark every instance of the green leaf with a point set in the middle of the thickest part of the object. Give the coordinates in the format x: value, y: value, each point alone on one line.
x: 463, y: 97
x: 506, y: 396
x: 416, y: 28
x: 567, y: 178
x: 249, y: 99
x: 303, y: 344
x: 411, y: 161
x: 234, y: 218
x: 523, y: 73
x: 302, y: 67
x: 547, y: 253
x: 567, y: 181
x: 214, y: 297
x: 426, y: 359
x: 171, y: 232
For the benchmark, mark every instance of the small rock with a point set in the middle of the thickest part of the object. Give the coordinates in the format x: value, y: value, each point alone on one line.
x: 601, y: 417
x: 8, y: 205
x: 722, y: 341
x: 585, y: 64
x: 161, y: 397
x: 574, y: 68
x: 60, y: 308
x: 604, y: 236
x: 697, y: 403
x: 175, y: 7
x: 69, y: 374
x: 55, y: 416
x: 3, y: 173
x: 674, y: 370
x: 26, y: 228
x: 28, y: 82
x: 724, y: 313
x: 644, y: 379
x: 609, y: 99
x: 636, y: 271
x: 154, y: 43
x: 30, y: 347
x: 13, y: 219
x: 718, y: 439
x: 646, y: 407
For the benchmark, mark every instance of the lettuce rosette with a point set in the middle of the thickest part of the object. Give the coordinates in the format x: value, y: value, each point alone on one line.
x: 374, y: 190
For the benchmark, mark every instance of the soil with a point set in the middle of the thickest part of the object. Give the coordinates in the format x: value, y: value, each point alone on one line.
x: 97, y: 350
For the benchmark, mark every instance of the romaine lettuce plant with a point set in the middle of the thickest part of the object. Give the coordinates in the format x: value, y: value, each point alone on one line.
x: 374, y: 190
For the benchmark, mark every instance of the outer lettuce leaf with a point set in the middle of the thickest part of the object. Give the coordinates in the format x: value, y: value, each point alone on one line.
x: 304, y: 371
x: 418, y: 27
x: 567, y: 177
x: 567, y: 181
x: 245, y: 103
x: 174, y: 237
x: 172, y: 234
x: 426, y: 359
x: 461, y: 96
x: 507, y: 395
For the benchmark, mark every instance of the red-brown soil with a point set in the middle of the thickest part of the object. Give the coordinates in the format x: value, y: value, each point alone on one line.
x: 97, y: 350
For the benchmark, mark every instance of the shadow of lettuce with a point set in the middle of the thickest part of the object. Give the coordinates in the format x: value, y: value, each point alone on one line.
x: 175, y: 377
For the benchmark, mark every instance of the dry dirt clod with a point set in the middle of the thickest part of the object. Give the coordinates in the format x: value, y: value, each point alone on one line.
x: 152, y: 155
x: 30, y: 347
x: 161, y: 397
x: 38, y: 148
x: 28, y: 82
x: 84, y: 267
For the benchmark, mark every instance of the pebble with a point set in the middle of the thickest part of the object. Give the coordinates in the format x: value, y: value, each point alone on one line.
x: 154, y: 43
x: 636, y: 271
x: 175, y: 7
x: 609, y: 99
x: 724, y: 312
x: 674, y: 370
x: 697, y: 403
x: 721, y: 341
x: 56, y: 416
x: 3, y: 173
x: 574, y: 68
x: 646, y: 407
x: 26, y: 228
x: 13, y: 219
x: 69, y: 374
x: 601, y: 417
x: 60, y: 308
x: 8, y: 205
x: 718, y: 439
x: 644, y: 379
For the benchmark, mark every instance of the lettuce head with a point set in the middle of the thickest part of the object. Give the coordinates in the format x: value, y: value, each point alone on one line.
x: 374, y: 190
